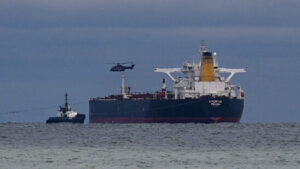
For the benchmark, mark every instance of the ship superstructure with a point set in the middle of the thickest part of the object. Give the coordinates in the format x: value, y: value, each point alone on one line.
x: 202, y: 95
x: 201, y: 79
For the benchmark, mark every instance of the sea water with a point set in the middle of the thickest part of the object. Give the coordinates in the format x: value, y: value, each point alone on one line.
x: 91, y: 146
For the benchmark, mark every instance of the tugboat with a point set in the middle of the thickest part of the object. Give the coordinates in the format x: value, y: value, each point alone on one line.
x: 66, y: 115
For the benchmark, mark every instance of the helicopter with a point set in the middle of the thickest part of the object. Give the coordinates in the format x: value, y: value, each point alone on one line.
x: 119, y: 67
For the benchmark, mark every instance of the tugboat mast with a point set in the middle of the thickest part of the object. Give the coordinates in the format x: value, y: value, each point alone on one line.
x: 66, y: 99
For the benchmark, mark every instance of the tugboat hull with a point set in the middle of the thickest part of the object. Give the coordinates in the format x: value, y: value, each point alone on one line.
x: 78, y: 119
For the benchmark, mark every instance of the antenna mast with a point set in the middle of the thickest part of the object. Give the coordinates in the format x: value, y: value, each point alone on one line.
x: 203, y: 47
x: 66, y: 99
x: 123, y: 87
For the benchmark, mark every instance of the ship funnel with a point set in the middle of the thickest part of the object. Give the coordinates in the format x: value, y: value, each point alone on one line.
x: 207, y: 65
x: 164, y: 85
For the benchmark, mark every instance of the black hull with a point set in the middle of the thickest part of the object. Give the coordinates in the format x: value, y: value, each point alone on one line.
x: 78, y: 119
x: 206, y: 109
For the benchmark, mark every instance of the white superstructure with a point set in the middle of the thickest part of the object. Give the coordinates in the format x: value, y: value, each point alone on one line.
x: 69, y: 113
x: 203, y: 78
x: 66, y: 110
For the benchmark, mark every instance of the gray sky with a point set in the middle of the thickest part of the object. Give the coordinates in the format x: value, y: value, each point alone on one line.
x: 49, y: 47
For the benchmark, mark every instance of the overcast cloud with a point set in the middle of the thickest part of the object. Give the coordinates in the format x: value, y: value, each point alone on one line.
x: 48, y: 47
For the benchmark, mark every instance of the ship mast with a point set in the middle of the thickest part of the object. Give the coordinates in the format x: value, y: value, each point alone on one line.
x: 67, y: 107
x: 123, y: 87
x: 121, y: 67
x: 203, y: 47
x: 66, y: 99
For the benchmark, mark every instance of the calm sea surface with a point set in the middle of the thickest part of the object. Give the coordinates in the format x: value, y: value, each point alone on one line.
x: 91, y: 146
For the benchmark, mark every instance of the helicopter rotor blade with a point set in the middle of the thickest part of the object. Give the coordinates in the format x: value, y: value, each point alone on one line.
x: 115, y: 63
x: 125, y: 63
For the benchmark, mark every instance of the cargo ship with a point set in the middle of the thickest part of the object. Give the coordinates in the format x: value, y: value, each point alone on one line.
x: 201, y: 96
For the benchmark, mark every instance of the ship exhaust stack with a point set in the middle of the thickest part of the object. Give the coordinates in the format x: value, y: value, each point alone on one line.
x: 164, y: 85
x: 207, y: 65
x: 164, y: 88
